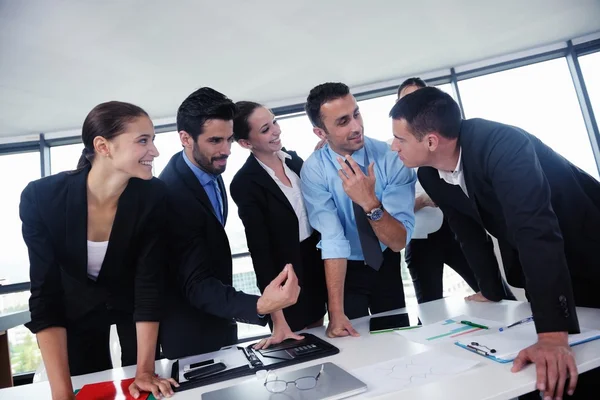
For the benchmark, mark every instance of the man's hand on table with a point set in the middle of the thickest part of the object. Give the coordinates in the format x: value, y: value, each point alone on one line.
x: 340, y: 326
x: 554, y: 364
x: 477, y: 297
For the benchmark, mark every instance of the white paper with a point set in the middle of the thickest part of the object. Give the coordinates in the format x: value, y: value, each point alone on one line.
x: 508, y: 343
x: 410, y: 371
x: 449, y: 330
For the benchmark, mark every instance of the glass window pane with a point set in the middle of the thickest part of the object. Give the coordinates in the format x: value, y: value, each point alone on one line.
x: 16, y: 171
x: 375, y: 113
x: 297, y: 135
x: 539, y: 98
x: 244, y: 279
x: 167, y: 144
x: 64, y: 158
x: 590, y: 68
x: 25, y: 355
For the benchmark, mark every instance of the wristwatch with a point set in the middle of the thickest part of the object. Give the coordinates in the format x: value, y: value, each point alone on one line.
x: 376, y: 213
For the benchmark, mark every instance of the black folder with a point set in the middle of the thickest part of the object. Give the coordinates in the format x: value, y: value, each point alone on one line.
x: 288, y: 352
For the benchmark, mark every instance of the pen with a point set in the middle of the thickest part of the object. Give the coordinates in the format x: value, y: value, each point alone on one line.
x: 524, y: 320
x: 397, y: 329
x: 474, y: 325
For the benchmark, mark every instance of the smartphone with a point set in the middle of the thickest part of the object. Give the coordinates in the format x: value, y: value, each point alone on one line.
x: 190, y: 367
x: 204, y: 371
x: 388, y: 323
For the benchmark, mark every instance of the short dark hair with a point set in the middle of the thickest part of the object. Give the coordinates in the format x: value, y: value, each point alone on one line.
x: 414, y: 81
x: 203, y: 105
x: 241, y: 127
x: 320, y: 95
x: 107, y: 120
x: 429, y: 110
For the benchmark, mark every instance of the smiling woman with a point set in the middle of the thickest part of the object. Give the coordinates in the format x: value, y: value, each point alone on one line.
x: 72, y: 308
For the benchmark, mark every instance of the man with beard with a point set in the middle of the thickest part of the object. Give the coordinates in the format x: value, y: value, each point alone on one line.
x: 360, y: 196
x: 202, y: 306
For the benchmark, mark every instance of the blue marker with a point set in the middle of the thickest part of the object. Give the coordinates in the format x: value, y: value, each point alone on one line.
x: 525, y: 320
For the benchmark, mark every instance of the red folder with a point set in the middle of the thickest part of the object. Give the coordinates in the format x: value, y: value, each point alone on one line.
x: 117, y: 390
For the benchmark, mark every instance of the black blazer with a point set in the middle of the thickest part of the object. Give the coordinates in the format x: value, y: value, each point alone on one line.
x: 202, y: 304
x: 543, y: 210
x: 54, y: 215
x: 269, y: 220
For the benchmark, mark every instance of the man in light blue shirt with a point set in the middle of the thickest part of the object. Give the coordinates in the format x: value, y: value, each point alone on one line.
x: 360, y: 197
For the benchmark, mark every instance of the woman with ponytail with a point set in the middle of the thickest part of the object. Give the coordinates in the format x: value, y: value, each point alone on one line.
x: 267, y: 193
x: 96, y: 253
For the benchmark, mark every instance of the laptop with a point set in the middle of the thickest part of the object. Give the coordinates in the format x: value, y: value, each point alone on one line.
x: 333, y: 383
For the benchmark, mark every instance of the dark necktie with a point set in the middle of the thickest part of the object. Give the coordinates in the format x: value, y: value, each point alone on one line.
x: 368, y: 240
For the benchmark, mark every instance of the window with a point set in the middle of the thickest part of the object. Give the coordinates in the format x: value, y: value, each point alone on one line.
x: 375, y: 113
x: 539, y: 98
x: 64, y: 158
x: 16, y: 171
x: 167, y: 144
x: 590, y: 68
x: 297, y: 135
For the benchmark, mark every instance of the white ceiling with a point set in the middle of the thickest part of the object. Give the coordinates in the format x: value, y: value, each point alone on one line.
x: 59, y: 58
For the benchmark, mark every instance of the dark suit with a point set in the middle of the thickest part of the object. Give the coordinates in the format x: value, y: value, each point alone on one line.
x: 543, y: 210
x: 128, y: 287
x: 425, y: 259
x: 202, y: 304
x: 272, y: 233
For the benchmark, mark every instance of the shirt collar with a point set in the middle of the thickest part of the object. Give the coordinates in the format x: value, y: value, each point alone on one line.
x: 358, y: 155
x: 204, y: 177
x: 449, y: 175
x: 459, y: 167
x: 282, y: 155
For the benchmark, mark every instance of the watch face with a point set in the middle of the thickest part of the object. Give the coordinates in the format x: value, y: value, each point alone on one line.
x: 376, y: 214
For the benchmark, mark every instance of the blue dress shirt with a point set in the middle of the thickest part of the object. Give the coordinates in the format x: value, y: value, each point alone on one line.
x: 330, y: 209
x: 210, y: 185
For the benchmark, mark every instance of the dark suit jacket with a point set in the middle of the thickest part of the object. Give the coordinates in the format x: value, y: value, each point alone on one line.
x: 54, y: 215
x: 543, y: 210
x: 202, y: 304
x: 272, y: 234
x: 269, y: 220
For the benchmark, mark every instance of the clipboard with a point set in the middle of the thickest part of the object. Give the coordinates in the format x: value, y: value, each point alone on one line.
x: 243, y: 361
x: 503, y: 347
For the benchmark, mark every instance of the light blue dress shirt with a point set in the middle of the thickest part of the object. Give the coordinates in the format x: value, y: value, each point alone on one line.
x: 330, y: 209
x: 210, y: 185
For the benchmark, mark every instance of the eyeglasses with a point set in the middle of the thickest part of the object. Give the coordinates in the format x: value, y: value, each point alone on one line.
x: 304, y: 383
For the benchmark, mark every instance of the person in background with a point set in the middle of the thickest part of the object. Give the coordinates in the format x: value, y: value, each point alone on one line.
x: 97, y: 254
x: 270, y: 204
x: 203, y: 307
x: 433, y: 243
x: 360, y: 197
x: 544, y: 211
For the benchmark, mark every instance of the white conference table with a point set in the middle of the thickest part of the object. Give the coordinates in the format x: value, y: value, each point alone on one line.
x: 487, y: 380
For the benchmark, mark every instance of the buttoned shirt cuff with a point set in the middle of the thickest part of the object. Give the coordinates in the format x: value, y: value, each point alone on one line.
x: 409, y: 230
x: 334, y: 248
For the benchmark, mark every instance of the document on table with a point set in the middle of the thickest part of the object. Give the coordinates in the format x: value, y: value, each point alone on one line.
x: 449, y: 330
x: 410, y: 371
x: 504, y: 346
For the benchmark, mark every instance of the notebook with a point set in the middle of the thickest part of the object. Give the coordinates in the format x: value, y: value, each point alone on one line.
x: 334, y: 383
x: 117, y: 390
x: 504, y: 346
